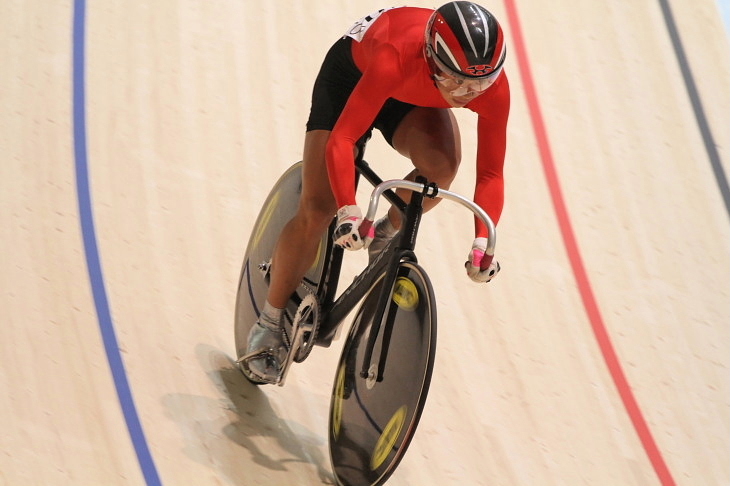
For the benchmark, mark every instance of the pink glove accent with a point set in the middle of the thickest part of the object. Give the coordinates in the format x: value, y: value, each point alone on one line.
x: 477, y: 255
x: 347, y: 232
x: 481, y: 267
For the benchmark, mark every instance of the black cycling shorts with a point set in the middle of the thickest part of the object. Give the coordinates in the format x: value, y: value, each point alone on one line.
x: 336, y: 79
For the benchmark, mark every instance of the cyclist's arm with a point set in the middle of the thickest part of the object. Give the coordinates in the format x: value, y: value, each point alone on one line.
x: 358, y: 115
x: 492, y: 139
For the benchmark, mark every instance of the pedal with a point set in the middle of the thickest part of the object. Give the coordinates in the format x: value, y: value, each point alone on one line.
x: 304, y: 325
x: 243, y: 365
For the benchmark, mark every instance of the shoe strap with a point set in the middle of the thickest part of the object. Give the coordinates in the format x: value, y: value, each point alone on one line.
x: 268, y: 323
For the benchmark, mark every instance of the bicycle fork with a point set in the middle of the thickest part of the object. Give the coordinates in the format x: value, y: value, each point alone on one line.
x: 372, y: 369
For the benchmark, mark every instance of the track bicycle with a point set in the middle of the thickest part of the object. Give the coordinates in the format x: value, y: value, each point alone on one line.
x: 385, y: 368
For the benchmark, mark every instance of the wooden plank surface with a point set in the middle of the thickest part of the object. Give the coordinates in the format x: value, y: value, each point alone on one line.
x: 193, y: 109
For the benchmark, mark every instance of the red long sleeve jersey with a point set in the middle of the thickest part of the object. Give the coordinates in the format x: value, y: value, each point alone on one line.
x: 390, y: 54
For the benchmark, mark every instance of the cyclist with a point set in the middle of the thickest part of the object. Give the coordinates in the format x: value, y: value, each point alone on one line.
x: 399, y: 70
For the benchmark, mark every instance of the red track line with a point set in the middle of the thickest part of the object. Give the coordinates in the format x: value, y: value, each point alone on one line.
x: 576, y: 262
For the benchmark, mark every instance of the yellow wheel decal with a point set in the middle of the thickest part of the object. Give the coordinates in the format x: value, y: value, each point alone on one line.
x: 388, y: 438
x: 405, y: 294
x: 319, y: 256
x: 266, y: 219
x: 337, y: 402
x: 264, y: 222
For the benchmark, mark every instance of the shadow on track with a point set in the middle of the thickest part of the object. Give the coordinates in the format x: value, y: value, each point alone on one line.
x: 248, y: 419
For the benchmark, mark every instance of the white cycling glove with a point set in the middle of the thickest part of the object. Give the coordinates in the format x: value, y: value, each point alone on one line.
x: 476, y: 255
x: 347, y: 231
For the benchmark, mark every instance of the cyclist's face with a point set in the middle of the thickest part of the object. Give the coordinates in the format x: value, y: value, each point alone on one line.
x: 458, y: 91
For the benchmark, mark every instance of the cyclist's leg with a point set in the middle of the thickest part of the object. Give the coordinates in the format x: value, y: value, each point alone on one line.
x: 297, y: 246
x: 430, y: 138
x: 294, y: 253
x: 298, y: 243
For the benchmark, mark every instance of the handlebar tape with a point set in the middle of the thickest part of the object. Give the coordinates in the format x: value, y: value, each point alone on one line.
x: 366, y: 229
x: 486, y: 261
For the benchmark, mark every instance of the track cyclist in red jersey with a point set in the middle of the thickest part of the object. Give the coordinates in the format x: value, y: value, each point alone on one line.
x: 399, y: 70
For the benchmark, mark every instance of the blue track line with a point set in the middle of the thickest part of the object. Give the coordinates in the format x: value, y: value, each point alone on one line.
x: 93, y: 262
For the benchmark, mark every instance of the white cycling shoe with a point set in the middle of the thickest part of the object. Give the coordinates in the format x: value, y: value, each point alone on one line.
x: 266, y: 352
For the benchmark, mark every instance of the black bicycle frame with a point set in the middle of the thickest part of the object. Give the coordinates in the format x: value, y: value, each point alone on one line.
x: 400, y: 249
x: 334, y: 311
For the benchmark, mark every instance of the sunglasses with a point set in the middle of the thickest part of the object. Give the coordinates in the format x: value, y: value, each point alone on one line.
x: 458, y: 86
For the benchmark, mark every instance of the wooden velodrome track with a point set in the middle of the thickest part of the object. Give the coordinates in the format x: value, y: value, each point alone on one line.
x: 138, y: 140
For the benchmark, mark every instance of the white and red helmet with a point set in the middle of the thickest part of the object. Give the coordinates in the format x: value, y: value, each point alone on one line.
x: 464, y: 40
